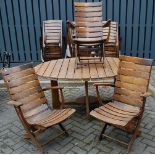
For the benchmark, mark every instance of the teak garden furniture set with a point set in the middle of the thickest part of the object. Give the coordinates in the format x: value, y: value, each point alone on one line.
x: 87, y: 41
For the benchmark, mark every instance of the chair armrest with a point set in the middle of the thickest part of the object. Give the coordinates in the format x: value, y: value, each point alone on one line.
x: 104, y: 84
x: 54, y: 87
x: 15, y: 103
x: 70, y: 24
x: 146, y: 94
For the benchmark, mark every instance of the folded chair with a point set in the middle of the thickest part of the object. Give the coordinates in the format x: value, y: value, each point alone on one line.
x: 52, y: 40
x: 112, y: 44
x: 130, y: 91
x: 88, y: 33
x: 30, y: 103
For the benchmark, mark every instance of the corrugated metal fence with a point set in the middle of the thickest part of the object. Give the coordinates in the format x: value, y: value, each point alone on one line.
x: 21, y: 25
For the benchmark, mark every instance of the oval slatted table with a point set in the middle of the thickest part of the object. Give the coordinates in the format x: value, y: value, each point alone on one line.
x: 65, y: 69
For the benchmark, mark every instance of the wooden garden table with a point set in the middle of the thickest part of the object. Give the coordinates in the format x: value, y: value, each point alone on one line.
x: 64, y: 69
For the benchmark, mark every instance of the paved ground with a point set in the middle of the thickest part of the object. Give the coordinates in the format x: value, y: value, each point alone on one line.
x: 83, y: 132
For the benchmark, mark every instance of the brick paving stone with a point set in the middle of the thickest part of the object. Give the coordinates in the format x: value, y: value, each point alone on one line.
x: 78, y: 150
x: 149, y: 150
x: 5, y: 149
x: 83, y: 132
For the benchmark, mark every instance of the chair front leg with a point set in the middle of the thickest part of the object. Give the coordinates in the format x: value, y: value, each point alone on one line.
x: 63, y: 129
x: 103, y: 131
x: 134, y: 136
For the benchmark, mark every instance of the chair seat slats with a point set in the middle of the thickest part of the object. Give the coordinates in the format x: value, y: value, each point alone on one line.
x: 117, y: 114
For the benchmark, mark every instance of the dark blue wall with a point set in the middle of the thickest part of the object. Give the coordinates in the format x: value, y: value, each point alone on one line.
x: 21, y: 25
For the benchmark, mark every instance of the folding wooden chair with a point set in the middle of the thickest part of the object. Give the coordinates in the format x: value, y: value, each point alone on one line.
x: 130, y: 92
x: 30, y: 103
x: 52, y: 40
x: 88, y: 33
x: 107, y: 35
x: 111, y: 46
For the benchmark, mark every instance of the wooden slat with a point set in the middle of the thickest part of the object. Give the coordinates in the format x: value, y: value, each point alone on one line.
x: 19, y: 74
x: 100, y: 70
x: 61, y: 117
x: 80, y: 19
x: 20, y: 88
x: 92, y: 14
x: 26, y: 93
x: 112, y: 64
x: 85, y: 71
x: 57, y: 68
x: 33, y: 104
x: 128, y: 100
x: 93, y: 71
x: 88, y: 24
x: 36, y: 68
x: 78, y: 74
x: 127, y: 92
x: 63, y: 70
x: 132, y: 80
x: 7, y: 71
x: 32, y: 97
x: 50, y: 68
x: 133, y: 73
x: 113, y: 111
x: 18, y: 82
x: 122, y: 109
x: 147, y: 62
x: 107, y: 69
x: 71, y: 69
x: 114, y: 117
x: 107, y: 119
x: 82, y: 4
x: 129, y: 86
x: 133, y: 66
x: 43, y: 68
x: 88, y: 9
x: 36, y: 111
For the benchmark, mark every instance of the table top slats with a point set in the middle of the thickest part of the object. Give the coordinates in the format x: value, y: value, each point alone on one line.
x: 71, y: 68
x: 78, y: 74
x: 114, y: 68
x: 64, y: 69
x: 93, y: 71
x: 85, y: 72
x: 56, y: 69
x: 49, y: 69
x: 107, y: 68
x: 100, y: 70
x: 116, y: 61
x: 43, y: 68
x: 37, y: 68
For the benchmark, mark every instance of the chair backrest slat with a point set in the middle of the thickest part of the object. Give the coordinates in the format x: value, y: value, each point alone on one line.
x: 88, y: 20
x: 132, y: 80
x: 23, y: 86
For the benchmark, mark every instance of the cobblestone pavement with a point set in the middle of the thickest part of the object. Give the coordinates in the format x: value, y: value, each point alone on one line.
x: 83, y: 132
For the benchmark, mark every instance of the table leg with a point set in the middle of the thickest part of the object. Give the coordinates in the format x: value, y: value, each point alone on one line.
x: 55, y: 96
x: 87, y: 98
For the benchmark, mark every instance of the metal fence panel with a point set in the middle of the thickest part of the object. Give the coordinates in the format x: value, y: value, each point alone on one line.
x: 21, y: 25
